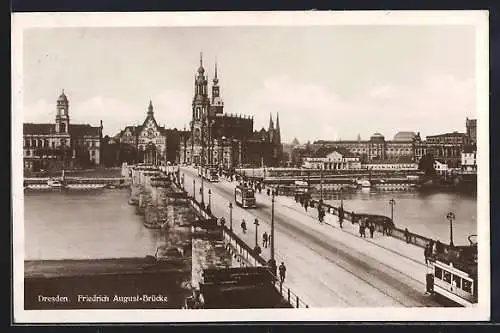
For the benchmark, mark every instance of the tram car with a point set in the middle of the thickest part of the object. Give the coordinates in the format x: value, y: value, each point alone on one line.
x: 453, y: 275
x: 244, y: 196
x: 209, y: 174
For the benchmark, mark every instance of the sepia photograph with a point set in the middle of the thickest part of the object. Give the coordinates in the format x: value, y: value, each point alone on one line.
x: 250, y: 166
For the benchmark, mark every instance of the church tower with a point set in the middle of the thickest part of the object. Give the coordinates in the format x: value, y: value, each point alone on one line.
x: 201, y: 105
x: 62, y: 115
x: 277, y: 133
x: 271, y: 128
x: 217, y: 102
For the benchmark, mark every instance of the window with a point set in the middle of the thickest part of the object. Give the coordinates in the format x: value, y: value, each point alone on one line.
x: 28, y: 152
x: 53, y: 144
x: 447, y: 276
x: 467, y: 286
x: 438, y: 273
x: 457, y: 281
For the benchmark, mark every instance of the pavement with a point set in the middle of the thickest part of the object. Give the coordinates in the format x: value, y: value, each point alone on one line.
x: 326, y: 266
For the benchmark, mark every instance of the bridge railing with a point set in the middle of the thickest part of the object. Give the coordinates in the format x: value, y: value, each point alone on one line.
x: 245, y: 254
x: 379, y: 221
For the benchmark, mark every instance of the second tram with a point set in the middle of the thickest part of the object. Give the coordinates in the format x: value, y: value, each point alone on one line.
x: 244, y: 196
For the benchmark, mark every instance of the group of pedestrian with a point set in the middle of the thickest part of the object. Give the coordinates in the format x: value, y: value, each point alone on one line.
x: 365, y: 224
x: 387, y: 226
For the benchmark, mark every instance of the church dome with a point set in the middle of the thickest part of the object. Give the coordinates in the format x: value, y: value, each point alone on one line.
x: 62, y: 98
x: 201, y: 70
x: 377, y: 137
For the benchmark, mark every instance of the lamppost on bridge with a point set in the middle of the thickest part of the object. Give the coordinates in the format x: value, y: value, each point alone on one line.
x: 392, y: 202
x: 272, y: 227
x: 256, y: 222
x: 194, y: 189
x: 451, y: 216
x: 231, y: 216
x: 321, y: 183
x: 209, y: 199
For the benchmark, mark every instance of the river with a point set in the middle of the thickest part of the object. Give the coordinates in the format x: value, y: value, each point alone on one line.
x: 101, y: 224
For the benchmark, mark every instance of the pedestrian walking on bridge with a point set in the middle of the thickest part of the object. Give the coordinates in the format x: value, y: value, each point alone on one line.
x: 244, y: 226
x: 264, y: 239
x: 427, y: 253
x: 372, y: 229
x: 282, y: 270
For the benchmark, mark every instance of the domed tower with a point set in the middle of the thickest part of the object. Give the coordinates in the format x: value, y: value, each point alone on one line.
x: 62, y: 116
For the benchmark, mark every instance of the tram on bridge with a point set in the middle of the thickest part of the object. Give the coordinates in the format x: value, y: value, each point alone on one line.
x: 244, y: 196
x: 454, y: 275
x: 209, y: 173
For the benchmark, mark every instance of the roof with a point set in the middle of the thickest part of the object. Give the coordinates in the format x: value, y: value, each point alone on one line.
x: 323, y: 152
x: 30, y: 128
x: 377, y: 135
x: 446, y: 135
x: 404, y: 136
x: 83, y: 130
x: 74, y: 129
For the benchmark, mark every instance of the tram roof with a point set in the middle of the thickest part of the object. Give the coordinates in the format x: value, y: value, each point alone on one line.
x: 463, y: 258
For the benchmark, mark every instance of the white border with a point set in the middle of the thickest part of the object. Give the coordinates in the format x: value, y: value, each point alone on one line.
x: 479, y: 19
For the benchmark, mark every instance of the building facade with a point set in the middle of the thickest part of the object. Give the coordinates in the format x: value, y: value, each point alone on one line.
x: 333, y: 160
x: 61, y: 144
x: 149, y: 142
x: 447, y: 148
x: 225, y: 140
x: 469, y: 159
x: 404, y: 144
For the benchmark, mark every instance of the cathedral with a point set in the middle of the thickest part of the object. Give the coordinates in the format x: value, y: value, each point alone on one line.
x: 225, y: 140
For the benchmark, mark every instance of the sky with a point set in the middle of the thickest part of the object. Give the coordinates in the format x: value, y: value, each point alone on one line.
x: 326, y: 82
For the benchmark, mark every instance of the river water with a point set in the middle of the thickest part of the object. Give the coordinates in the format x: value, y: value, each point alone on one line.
x: 101, y: 224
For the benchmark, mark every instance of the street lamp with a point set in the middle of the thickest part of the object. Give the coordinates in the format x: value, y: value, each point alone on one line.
x: 392, y: 202
x: 321, y: 183
x: 272, y: 227
x: 209, y: 199
x: 451, y: 216
x: 256, y: 222
x: 231, y: 216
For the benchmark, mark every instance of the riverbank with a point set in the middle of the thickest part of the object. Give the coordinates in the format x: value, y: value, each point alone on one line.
x: 99, y: 172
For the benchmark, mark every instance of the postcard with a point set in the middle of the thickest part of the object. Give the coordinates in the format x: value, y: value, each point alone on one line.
x: 250, y: 166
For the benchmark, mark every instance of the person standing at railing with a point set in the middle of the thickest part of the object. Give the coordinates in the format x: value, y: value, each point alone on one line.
x: 282, y: 271
x: 407, y: 235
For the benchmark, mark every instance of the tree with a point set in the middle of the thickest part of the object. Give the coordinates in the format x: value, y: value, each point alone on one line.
x: 426, y: 164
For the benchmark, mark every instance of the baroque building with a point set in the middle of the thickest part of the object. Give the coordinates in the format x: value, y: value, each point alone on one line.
x: 225, y: 140
x: 61, y: 144
x: 148, y: 142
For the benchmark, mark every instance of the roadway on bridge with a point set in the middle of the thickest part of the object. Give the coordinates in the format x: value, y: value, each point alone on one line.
x: 326, y: 267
